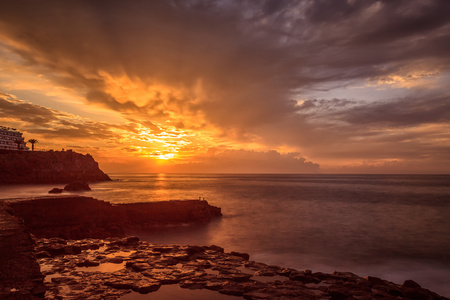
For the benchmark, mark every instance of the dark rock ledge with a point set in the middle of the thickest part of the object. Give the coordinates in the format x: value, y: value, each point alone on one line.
x: 76, y: 217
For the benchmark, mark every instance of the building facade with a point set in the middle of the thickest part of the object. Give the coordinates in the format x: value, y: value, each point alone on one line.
x: 12, y: 139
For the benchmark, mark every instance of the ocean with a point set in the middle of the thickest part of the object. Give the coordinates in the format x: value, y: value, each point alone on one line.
x: 396, y: 227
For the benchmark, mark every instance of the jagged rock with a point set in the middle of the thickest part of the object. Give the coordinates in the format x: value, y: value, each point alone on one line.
x: 139, y: 267
x: 216, y: 248
x: 88, y: 263
x: 163, y: 278
x: 180, y: 257
x: 245, y: 256
x: 77, y: 186
x: 238, y: 277
x: 232, y: 289
x: 193, y: 285
x: 162, y: 249
x: 303, y: 277
x: 265, y: 272
x: 120, y: 284
x: 191, y: 250
x: 411, y: 283
x: 55, y: 191
x: 115, y: 260
x: 146, y: 286
x: 375, y: 280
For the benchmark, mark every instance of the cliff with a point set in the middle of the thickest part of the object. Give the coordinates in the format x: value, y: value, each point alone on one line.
x: 30, y: 167
x: 76, y: 217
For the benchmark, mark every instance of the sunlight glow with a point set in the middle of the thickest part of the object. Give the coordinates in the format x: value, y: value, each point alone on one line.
x: 166, y: 156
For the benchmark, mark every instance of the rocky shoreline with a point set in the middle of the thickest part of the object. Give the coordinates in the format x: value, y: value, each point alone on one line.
x: 88, y: 262
x: 112, y: 268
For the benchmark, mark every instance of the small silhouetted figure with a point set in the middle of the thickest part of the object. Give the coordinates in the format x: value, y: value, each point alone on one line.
x: 199, y: 198
x: 32, y: 141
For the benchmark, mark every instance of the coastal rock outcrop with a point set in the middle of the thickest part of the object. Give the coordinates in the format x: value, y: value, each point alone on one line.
x: 77, y: 217
x: 77, y: 186
x: 56, y: 191
x: 27, y: 167
x: 115, y: 267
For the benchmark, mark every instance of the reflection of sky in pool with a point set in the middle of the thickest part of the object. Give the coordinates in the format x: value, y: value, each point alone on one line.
x: 105, y: 267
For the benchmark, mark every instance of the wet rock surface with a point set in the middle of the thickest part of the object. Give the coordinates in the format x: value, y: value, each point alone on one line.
x: 113, y: 267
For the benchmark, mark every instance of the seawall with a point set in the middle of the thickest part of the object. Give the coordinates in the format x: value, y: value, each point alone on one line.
x: 31, y: 167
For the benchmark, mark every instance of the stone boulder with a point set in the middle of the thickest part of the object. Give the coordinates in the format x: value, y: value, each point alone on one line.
x: 77, y: 186
x: 55, y: 191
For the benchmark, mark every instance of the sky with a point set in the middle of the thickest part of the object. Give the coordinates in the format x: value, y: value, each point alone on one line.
x: 228, y: 86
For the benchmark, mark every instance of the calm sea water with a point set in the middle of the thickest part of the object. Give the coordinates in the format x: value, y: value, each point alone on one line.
x: 392, y: 226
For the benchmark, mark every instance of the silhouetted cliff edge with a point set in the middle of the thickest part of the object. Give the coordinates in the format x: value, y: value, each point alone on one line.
x: 27, y: 167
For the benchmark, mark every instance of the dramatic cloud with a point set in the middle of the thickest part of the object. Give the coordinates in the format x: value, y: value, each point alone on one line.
x: 343, y: 82
x: 39, y: 120
x: 402, y: 112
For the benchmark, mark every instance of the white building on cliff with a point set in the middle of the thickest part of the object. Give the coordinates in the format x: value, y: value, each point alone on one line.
x: 12, y: 139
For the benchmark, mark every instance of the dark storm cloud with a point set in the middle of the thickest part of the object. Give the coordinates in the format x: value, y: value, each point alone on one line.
x: 249, y: 55
x: 400, y: 112
x: 109, y: 101
x: 30, y: 113
x: 401, y: 20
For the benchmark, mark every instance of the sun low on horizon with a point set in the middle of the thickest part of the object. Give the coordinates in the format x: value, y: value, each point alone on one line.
x: 231, y: 86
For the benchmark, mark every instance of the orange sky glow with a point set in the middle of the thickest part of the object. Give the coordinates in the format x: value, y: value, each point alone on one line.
x: 232, y: 86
